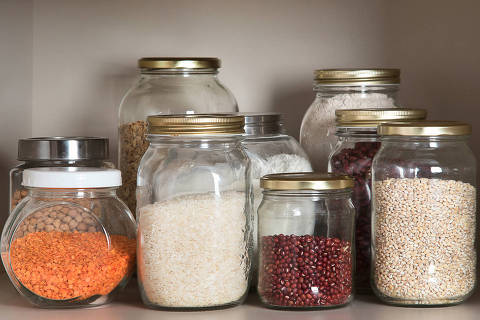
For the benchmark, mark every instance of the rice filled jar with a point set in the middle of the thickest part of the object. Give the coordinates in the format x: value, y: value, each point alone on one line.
x: 194, y: 212
x: 71, y: 241
x: 357, y: 144
x: 424, y: 214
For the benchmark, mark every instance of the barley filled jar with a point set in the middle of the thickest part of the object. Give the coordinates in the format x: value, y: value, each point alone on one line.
x: 71, y: 241
x: 194, y: 201
x: 424, y: 214
x: 166, y: 85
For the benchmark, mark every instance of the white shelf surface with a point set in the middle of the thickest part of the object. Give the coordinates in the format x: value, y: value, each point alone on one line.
x: 129, y: 306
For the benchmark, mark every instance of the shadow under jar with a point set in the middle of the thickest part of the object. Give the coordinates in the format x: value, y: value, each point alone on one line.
x: 166, y: 85
x: 71, y: 242
x: 306, y: 270
x: 194, y: 211
x: 357, y: 144
x: 424, y: 214
x: 343, y: 89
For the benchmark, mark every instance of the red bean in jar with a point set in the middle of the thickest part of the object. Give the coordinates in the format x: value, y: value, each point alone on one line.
x: 311, y: 270
x: 357, y: 145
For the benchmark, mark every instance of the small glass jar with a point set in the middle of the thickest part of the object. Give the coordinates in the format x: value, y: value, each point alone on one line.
x: 194, y: 213
x: 343, y: 89
x: 165, y: 86
x: 357, y: 144
x: 56, y: 152
x: 305, y: 270
x: 71, y: 241
x: 423, y: 216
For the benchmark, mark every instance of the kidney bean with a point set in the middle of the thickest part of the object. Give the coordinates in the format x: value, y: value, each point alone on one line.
x: 304, y: 271
x: 357, y: 163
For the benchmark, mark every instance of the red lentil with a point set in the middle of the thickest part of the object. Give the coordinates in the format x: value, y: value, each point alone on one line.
x: 65, y: 265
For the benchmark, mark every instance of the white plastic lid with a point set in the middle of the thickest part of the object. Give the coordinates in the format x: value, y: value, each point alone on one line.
x: 69, y: 178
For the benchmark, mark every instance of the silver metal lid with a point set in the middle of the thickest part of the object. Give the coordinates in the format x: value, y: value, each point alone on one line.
x: 258, y: 123
x: 63, y: 148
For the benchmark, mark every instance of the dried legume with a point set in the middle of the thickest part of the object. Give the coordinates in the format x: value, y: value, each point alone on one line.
x: 424, y: 239
x: 305, y: 271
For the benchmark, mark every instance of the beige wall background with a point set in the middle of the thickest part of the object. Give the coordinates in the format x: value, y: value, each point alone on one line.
x: 66, y: 64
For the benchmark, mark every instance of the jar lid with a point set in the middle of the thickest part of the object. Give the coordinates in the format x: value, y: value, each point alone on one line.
x: 71, y: 178
x: 357, y: 76
x: 186, y: 124
x: 179, y: 63
x: 425, y: 128
x: 372, y: 117
x: 306, y: 181
x: 63, y: 148
x: 257, y: 123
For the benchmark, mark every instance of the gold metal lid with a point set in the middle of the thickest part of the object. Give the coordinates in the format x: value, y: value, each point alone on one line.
x: 357, y: 76
x: 425, y: 128
x: 185, y: 124
x: 305, y: 181
x: 372, y: 117
x: 179, y: 63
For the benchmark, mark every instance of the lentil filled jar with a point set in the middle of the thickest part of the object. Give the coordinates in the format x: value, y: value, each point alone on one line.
x: 56, y: 152
x: 306, y: 270
x: 424, y: 214
x: 343, y: 89
x: 166, y: 85
x: 71, y: 242
x: 194, y: 213
x: 357, y: 144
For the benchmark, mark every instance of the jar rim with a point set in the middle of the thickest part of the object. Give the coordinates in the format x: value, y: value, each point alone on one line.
x: 306, y: 181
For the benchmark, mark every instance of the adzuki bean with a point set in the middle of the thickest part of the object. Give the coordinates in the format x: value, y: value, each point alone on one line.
x: 357, y: 162
x: 304, y: 271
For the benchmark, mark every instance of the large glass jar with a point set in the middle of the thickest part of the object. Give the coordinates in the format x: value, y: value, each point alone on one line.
x: 300, y: 270
x: 424, y: 214
x: 357, y: 144
x: 165, y: 86
x: 56, y: 152
x: 71, y: 241
x: 343, y: 89
x: 194, y: 213
x: 271, y: 150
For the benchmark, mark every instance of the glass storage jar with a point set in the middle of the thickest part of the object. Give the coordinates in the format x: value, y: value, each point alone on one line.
x: 306, y: 270
x: 194, y: 213
x: 56, y: 152
x: 165, y: 86
x: 424, y: 202
x: 71, y: 242
x: 343, y: 89
x: 357, y: 144
x: 271, y: 150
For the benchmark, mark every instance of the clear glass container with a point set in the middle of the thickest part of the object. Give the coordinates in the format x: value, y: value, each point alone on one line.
x: 271, y: 150
x: 357, y: 144
x: 56, y: 152
x: 194, y: 213
x: 165, y: 86
x: 343, y: 89
x: 306, y: 270
x: 424, y: 214
x: 71, y: 241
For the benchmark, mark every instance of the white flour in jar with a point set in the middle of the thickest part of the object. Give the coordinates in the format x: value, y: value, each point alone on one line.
x: 317, y: 135
x: 193, y: 250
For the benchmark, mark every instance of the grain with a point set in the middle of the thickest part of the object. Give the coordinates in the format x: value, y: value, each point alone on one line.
x: 424, y: 233
x: 133, y: 144
x: 193, y: 250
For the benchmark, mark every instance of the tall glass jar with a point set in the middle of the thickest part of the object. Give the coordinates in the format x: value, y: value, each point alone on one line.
x: 306, y: 270
x: 71, y: 241
x: 194, y: 213
x: 357, y: 144
x: 343, y: 89
x: 165, y: 86
x: 424, y: 214
x: 56, y: 152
